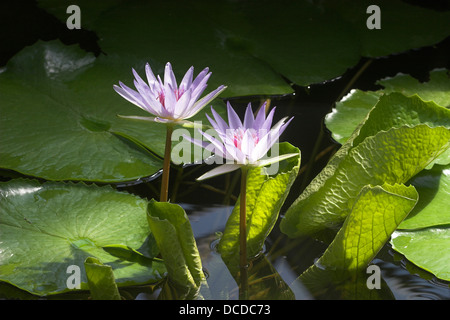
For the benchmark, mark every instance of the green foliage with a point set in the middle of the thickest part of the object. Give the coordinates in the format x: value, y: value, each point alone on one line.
x: 265, y: 196
x: 101, y: 280
x: 60, y: 119
x: 385, y: 148
x: 59, y: 122
x: 428, y: 222
x: 251, y: 46
x: 375, y: 214
x: 173, y: 234
x: 423, y: 237
x: 47, y: 227
x: 355, y: 106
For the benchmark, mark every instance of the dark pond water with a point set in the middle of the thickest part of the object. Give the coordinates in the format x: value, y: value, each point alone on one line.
x: 209, y: 205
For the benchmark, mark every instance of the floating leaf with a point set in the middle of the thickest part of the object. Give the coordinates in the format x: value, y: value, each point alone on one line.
x: 436, y: 89
x: 433, y: 207
x: 423, y: 237
x: 59, y: 119
x: 46, y: 228
x: 426, y: 248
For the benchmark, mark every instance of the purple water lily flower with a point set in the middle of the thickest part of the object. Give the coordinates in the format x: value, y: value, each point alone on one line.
x: 166, y: 100
x: 243, y: 143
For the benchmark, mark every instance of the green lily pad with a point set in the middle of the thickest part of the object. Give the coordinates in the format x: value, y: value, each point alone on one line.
x: 433, y: 207
x: 59, y: 118
x: 426, y: 248
x: 47, y: 228
x: 254, y: 45
x: 423, y: 237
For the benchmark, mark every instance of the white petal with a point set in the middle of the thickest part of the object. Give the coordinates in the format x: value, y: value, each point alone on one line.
x: 248, y: 118
x: 169, y: 99
x: 130, y: 95
x: 181, y: 106
x: 200, y: 77
x: 187, y: 80
x: 225, y: 168
x: 150, y: 76
x: 233, y: 119
x: 265, y: 162
x: 199, y: 105
x: 169, y: 76
x: 138, y: 78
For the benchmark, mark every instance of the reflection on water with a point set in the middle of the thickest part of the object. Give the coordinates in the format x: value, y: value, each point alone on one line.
x: 284, y: 260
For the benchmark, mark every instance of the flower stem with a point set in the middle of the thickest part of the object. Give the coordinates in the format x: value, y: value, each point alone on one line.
x: 166, y: 166
x: 243, y: 293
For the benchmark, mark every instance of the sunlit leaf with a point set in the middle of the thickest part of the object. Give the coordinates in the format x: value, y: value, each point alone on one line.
x: 265, y: 196
x: 434, y: 193
x: 101, y: 280
x: 173, y: 234
x: 426, y: 248
x: 389, y: 147
x: 376, y: 213
x: 355, y: 106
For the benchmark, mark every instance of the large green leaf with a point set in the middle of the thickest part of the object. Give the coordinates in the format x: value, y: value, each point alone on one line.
x: 432, y: 185
x: 46, y: 228
x: 254, y: 45
x: 265, y: 196
x: 376, y: 213
x: 156, y: 32
x: 389, y: 147
x: 59, y: 118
